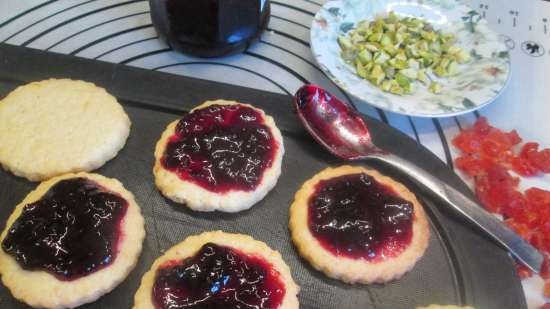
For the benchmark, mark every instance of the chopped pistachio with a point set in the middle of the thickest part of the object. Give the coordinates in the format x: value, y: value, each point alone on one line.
x: 421, y: 76
x: 390, y: 71
x: 428, y: 35
x: 393, y: 52
x: 375, y: 37
x: 398, y: 63
x: 410, y: 73
x: 444, y: 62
x: 372, y: 47
x: 364, y: 56
x: 361, y: 71
x: 386, y: 40
x: 381, y: 57
x: 413, y: 64
x: 402, y: 80
x: 435, y: 87
x: 389, y: 27
x: 386, y: 85
x: 390, y: 49
x: 377, y: 74
x: 345, y: 43
x: 440, y: 71
x: 401, y: 56
x: 396, y: 89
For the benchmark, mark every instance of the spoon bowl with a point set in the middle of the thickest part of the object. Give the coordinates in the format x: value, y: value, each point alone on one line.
x: 340, y: 129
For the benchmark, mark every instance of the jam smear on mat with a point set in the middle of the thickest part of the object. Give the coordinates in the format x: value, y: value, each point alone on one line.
x: 218, y: 277
x: 357, y: 217
x: 73, y: 230
x: 221, y: 148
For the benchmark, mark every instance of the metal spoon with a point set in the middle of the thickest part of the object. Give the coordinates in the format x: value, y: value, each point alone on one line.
x: 342, y: 131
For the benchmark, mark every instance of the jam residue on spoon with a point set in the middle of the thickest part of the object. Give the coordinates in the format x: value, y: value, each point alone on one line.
x: 218, y: 277
x: 357, y: 217
x: 333, y: 123
x: 221, y: 148
x: 73, y: 230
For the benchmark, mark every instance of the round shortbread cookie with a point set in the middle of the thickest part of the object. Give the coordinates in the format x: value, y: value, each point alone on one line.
x: 243, y: 243
x: 41, y: 289
x: 348, y: 269
x: 444, y: 307
x: 57, y: 126
x: 199, y: 198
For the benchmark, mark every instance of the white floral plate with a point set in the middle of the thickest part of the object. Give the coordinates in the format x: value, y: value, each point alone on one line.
x: 478, y: 82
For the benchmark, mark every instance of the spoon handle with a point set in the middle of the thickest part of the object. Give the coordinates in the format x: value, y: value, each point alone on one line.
x: 519, y: 248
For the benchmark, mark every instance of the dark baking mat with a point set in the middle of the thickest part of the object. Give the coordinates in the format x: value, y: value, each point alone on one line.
x: 460, y: 266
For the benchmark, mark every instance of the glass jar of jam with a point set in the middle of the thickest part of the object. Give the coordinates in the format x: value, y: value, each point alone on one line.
x: 209, y: 28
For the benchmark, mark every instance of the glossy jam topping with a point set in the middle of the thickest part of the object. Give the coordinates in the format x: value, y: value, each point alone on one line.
x: 357, y: 217
x: 71, y: 231
x: 221, y: 148
x: 218, y: 277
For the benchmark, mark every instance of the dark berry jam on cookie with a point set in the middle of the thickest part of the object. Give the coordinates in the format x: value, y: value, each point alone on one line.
x: 73, y: 230
x: 357, y: 217
x: 218, y: 277
x: 221, y: 148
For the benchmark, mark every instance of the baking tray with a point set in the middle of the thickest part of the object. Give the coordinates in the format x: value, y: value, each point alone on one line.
x: 461, y: 266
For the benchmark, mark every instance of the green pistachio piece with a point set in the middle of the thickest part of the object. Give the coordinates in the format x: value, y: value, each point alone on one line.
x: 386, y: 40
x: 421, y: 76
x: 373, y: 47
x: 402, y: 80
x: 434, y: 87
x: 390, y: 49
x: 430, y: 36
x: 435, y: 47
x: 364, y: 56
x: 409, y: 73
x: 401, y: 56
x: 375, y: 37
x: 398, y: 63
x: 396, y: 89
x: 440, y: 71
x: 381, y: 57
x: 361, y: 71
x: 345, y: 43
x: 413, y: 64
x: 386, y: 85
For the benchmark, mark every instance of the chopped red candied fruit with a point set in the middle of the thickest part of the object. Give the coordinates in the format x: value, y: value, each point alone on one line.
x: 531, y: 161
x: 542, y: 160
x: 546, y: 288
x: 471, y: 165
x: 489, y: 154
x: 524, y: 163
x: 541, y: 237
x: 481, y: 126
x: 495, y: 187
x: 545, y: 269
x: 518, y: 227
x: 538, y: 197
x: 523, y: 272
